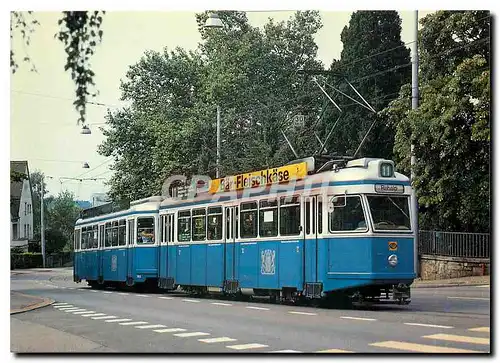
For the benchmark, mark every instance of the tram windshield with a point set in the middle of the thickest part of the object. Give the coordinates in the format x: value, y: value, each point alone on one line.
x: 389, y: 212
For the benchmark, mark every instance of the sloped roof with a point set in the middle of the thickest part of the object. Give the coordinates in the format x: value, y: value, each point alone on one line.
x: 16, y: 187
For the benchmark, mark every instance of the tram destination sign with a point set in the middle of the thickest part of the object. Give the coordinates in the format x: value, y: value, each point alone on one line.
x: 389, y: 188
x: 259, y: 178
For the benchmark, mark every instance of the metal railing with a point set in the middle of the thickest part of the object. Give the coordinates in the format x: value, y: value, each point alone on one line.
x: 454, y: 244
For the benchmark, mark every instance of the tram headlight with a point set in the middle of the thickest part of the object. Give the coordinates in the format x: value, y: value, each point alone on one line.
x: 393, y: 260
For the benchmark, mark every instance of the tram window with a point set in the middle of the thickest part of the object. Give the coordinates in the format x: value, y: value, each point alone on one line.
x: 248, y: 220
x: 389, y: 212
x: 184, y: 226
x: 199, y: 224
x: 114, y: 234
x: 95, y: 239
x: 145, y: 231
x: 84, y: 238
x: 214, y: 230
x: 320, y: 215
x: 289, y: 216
x: 349, y: 217
x: 268, y: 218
x: 121, y: 233
x: 77, y: 240
x: 107, y: 240
x: 131, y: 232
x: 307, y: 211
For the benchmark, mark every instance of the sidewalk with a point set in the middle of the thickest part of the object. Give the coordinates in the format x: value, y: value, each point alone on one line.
x: 28, y: 337
x: 461, y: 281
x: 20, y: 303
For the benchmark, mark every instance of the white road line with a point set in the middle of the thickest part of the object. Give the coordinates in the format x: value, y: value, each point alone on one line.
x: 301, y: 313
x: 483, y: 286
x: 67, y: 308
x: 189, y: 300
x: 123, y: 293
x: 287, y: 351
x: 217, y: 340
x: 142, y: 295
x: 73, y: 310
x: 357, y: 318
x: 468, y: 298
x: 71, y: 288
x: 222, y: 304
x: 193, y: 334
x: 246, y: 346
x: 107, y: 292
x: 150, y: 326
x: 430, y: 325
x: 91, y: 290
x: 116, y: 320
x: 257, y: 308
x: 165, y: 297
x: 483, y: 329
x: 84, y: 312
x: 62, y: 287
x: 334, y: 351
x: 90, y: 315
x: 134, y: 323
x: 61, y: 305
x: 170, y: 330
x: 104, y: 317
x: 459, y: 338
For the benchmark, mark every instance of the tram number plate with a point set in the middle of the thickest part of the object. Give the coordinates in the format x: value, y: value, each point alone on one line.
x: 393, y: 246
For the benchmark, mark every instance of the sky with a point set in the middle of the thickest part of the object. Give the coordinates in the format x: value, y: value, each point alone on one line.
x: 43, y: 127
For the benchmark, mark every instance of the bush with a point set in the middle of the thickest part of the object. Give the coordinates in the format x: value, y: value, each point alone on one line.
x: 25, y: 260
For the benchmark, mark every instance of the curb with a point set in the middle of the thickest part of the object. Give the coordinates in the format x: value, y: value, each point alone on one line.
x: 43, y: 303
x: 423, y: 286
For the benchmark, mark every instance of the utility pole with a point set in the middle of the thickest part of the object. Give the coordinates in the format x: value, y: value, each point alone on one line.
x: 42, y: 226
x: 217, y: 170
x: 414, y: 106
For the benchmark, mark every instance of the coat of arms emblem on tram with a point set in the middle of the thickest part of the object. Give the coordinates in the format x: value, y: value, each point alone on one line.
x: 267, y: 262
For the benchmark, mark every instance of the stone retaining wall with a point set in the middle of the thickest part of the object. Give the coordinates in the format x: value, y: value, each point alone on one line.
x: 443, y: 267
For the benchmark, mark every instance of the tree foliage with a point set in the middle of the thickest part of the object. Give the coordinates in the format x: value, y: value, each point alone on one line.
x: 251, y: 73
x: 450, y: 129
x: 62, y: 213
x: 80, y: 33
x: 375, y: 60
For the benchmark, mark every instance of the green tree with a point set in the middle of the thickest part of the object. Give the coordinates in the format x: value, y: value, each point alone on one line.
x: 80, y: 33
x: 375, y: 60
x: 252, y: 74
x: 37, y: 180
x: 450, y: 129
x: 62, y: 213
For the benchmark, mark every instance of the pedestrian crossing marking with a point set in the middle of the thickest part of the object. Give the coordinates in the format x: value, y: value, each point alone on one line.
x: 61, y: 305
x: 217, y: 340
x: 72, y: 310
x: 134, y: 323
x: 104, y: 317
x: 421, y: 348
x: 91, y: 315
x: 150, y: 326
x: 171, y: 330
x: 246, y: 346
x: 483, y: 329
x: 430, y: 325
x: 116, y: 320
x: 459, y: 338
x: 84, y: 312
x: 334, y: 351
x: 193, y: 334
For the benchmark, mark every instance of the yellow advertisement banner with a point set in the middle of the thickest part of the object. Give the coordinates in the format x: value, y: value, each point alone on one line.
x: 256, y: 179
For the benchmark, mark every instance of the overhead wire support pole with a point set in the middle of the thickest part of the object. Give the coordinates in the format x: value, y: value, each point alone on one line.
x: 414, y: 106
x: 329, y: 134
x: 289, y: 144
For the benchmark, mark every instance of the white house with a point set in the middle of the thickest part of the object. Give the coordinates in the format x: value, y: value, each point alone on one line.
x: 21, y: 206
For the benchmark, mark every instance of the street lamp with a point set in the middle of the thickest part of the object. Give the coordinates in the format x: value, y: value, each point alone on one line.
x: 213, y: 21
x: 86, y: 165
x: 42, y: 225
x: 85, y: 130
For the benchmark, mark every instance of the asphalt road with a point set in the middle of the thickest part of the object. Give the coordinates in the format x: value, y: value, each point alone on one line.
x: 439, y: 320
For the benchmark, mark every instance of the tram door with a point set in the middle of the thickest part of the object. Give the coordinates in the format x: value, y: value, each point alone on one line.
x: 100, y: 255
x: 130, y: 250
x: 166, y: 237
x: 312, y: 226
x: 231, y: 224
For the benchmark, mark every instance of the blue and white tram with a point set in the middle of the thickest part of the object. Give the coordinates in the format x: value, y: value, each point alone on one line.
x: 120, y: 247
x: 345, y: 230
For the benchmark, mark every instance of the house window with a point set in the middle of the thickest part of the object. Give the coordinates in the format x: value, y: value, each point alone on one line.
x: 15, y: 232
x: 25, y: 208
